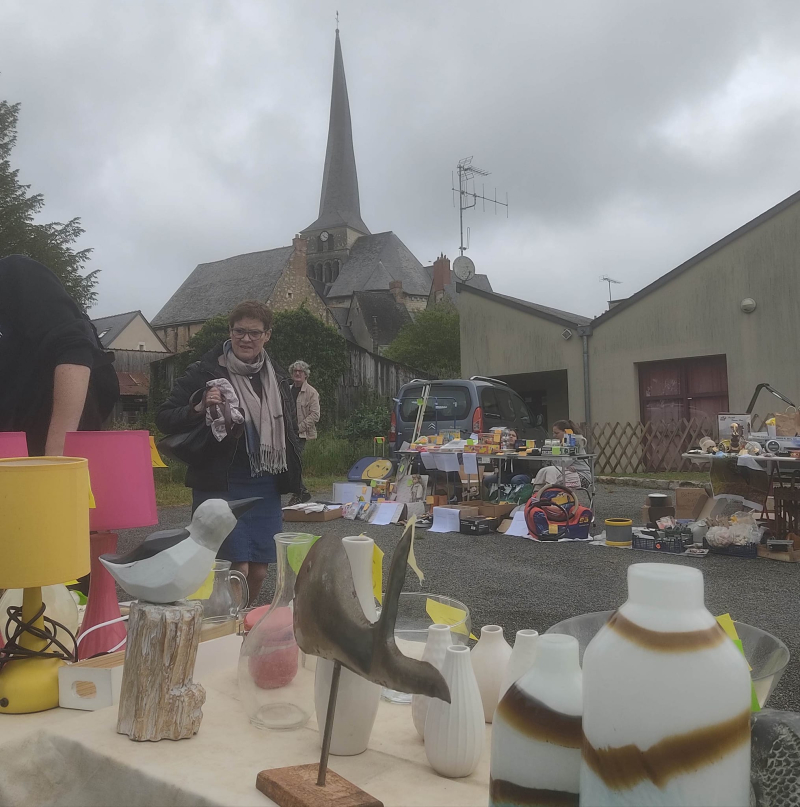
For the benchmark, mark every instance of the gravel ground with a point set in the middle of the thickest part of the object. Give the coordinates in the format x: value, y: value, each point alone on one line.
x: 518, y: 583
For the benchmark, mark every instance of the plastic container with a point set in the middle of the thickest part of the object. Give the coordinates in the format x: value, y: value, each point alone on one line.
x: 671, y: 545
x: 619, y: 531
x: 747, y: 551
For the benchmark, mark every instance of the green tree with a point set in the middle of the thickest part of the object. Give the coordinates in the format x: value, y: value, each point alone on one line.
x: 431, y: 342
x: 50, y: 244
x: 298, y: 334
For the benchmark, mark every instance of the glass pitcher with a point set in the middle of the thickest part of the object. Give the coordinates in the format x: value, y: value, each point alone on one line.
x: 277, y: 692
x: 223, y: 603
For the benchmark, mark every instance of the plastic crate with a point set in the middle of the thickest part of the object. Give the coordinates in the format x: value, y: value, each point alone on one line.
x: 746, y: 551
x: 673, y: 546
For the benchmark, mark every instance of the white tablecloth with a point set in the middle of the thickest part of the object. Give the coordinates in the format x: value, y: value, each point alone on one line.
x: 65, y: 757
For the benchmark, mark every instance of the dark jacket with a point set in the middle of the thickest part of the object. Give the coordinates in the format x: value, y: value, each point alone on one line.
x: 177, y: 414
x: 41, y: 327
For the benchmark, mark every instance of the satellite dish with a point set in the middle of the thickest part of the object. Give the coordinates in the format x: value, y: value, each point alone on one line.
x: 464, y: 268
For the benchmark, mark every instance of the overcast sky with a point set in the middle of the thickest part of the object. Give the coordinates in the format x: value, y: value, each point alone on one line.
x: 628, y: 135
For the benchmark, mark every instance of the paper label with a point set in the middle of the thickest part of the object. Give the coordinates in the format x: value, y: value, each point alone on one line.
x: 377, y: 573
x: 155, y: 457
x: 443, y: 614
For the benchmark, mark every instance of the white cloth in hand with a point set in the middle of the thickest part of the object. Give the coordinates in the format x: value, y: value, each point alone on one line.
x: 215, y: 414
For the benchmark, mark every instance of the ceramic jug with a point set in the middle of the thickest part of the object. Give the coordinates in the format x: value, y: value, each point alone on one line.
x: 224, y: 603
x: 455, y: 731
x: 536, y: 735
x: 357, y: 700
x: 439, y: 639
x: 521, y: 659
x: 666, y: 711
x: 490, y: 660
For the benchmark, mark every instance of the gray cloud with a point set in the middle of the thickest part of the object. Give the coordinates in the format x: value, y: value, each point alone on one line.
x: 628, y: 135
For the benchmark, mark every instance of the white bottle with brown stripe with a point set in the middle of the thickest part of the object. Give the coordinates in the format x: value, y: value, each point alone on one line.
x: 536, y: 734
x: 666, y: 709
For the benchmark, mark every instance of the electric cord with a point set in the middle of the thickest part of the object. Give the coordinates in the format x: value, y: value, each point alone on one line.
x: 14, y: 652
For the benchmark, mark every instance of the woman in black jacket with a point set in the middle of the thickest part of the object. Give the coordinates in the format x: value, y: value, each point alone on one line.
x: 264, y: 460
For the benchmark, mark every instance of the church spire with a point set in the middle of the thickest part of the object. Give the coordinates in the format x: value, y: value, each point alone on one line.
x: 339, y: 204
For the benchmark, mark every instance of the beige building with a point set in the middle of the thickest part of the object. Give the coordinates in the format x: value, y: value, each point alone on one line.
x: 695, y: 342
x: 129, y: 331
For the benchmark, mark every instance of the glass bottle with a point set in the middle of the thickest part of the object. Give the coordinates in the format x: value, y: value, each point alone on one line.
x: 277, y: 692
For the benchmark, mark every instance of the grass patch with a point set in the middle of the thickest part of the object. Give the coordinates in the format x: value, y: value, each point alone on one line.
x: 679, y: 476
x: 172, y: 494
x: 331, y: 455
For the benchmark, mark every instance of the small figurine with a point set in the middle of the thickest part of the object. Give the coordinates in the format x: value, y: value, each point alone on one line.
x: 736, y: 436
x: 170, y: 564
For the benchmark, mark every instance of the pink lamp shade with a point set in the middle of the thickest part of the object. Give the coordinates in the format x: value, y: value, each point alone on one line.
x: 13, y: 444
x: 121, y: 472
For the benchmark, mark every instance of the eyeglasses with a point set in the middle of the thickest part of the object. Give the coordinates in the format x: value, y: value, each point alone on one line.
x: 240, y: 333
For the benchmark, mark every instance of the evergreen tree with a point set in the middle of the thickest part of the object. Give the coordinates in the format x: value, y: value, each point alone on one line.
x: 431, y: 342
x: 50, y: 244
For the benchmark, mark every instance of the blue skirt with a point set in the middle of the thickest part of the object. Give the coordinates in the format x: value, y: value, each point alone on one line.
x: 252, y: 539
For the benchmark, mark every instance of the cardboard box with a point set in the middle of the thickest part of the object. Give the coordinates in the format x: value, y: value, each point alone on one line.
x: 473, y: 525
x: 689, y: 502
x: 325, y: 515
x: 465, y: 510
x: 494, y: 510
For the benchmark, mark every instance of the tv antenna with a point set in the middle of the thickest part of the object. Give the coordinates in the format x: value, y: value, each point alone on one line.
x: 609, y: 280
x: 467, y: 199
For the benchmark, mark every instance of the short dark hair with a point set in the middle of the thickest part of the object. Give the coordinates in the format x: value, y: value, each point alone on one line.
x: 563, y: 425
x: 252, y: 309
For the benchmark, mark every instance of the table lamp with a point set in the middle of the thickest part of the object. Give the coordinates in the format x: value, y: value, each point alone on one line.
x: 13, y: 444
x: 121, y: 471
x: 44, y: 503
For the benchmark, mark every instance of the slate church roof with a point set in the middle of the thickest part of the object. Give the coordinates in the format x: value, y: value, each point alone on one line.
x: 380, y: 308
x: 215, y: 288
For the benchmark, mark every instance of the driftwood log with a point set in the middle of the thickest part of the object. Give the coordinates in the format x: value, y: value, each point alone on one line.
x: 158, y: 699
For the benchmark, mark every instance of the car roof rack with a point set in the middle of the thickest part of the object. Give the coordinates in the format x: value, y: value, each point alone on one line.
x: 487, y: 378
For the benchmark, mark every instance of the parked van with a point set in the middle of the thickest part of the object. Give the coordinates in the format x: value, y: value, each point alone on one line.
x: 472, y: 405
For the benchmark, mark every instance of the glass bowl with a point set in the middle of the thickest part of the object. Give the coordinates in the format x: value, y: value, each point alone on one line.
x: 766, y: 654
x: 416, y: 610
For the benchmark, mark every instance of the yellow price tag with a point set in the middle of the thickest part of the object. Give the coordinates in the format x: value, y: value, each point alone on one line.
x: 155, y: 457
x: 443, y: 614
x: 92, y: 502
x: 377, y: 573
x: 204, y: 592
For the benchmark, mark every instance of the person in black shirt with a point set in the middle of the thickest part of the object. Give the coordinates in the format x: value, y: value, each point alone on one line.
x: 55, y: 376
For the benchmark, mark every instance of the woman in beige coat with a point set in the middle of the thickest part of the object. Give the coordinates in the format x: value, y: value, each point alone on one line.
x: 307, y: 400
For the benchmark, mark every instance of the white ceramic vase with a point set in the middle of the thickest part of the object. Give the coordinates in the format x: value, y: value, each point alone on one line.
x: 521, y: 658
x: 454, y: 732
x: 357, y: 699
x: 490, y: 660
x: 666, y: 714
x: 536, y: 736
x: 439, y: 639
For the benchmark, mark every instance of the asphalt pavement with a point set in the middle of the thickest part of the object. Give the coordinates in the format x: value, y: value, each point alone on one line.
x: 518, y: 583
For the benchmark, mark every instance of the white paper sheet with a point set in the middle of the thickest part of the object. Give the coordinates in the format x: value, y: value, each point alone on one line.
x: 447, y: 462
x: 470, y: 463
x: 518, y: 525
x: 386, y: 512
x: 428, y: 460
x: 445, y: 520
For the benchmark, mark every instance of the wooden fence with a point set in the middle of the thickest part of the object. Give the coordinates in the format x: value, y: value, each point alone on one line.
x: 634, y: 448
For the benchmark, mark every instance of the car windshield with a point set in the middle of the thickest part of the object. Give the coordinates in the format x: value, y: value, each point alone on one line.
x: 446, y: 402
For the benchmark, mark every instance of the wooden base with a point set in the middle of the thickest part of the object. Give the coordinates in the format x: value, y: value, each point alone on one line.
x: 158, y: 699
x: 791, y: 556
x: 297, y: 787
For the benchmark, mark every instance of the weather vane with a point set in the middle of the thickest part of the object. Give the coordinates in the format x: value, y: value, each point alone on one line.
x: 337, y: 21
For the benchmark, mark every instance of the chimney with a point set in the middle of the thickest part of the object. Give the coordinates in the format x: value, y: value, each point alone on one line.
x: 396, y: 288
x: 298, y: 261
x: 441, y: 275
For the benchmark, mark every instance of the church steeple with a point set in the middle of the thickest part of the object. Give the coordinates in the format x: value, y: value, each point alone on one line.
x: 339, y: 203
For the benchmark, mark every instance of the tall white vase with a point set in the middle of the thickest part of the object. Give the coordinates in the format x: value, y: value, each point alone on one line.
x: 536, y: 736
x: 454, y: 732
x: 666, y: 714
x: 357, y: 700
x: 521, y: 658
x: 439, y: 639
x: 490, y: 660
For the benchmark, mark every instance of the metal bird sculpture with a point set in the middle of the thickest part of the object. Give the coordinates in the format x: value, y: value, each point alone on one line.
x: 170, y: 564
x: 329, y: 621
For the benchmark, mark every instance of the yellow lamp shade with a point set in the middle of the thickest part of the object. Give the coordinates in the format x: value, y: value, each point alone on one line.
x: 44, y: 521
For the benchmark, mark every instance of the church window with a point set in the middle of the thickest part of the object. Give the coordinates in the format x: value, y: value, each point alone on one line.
x: 318, y: 273
x: 336, y: 268
x: 327, y: 273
